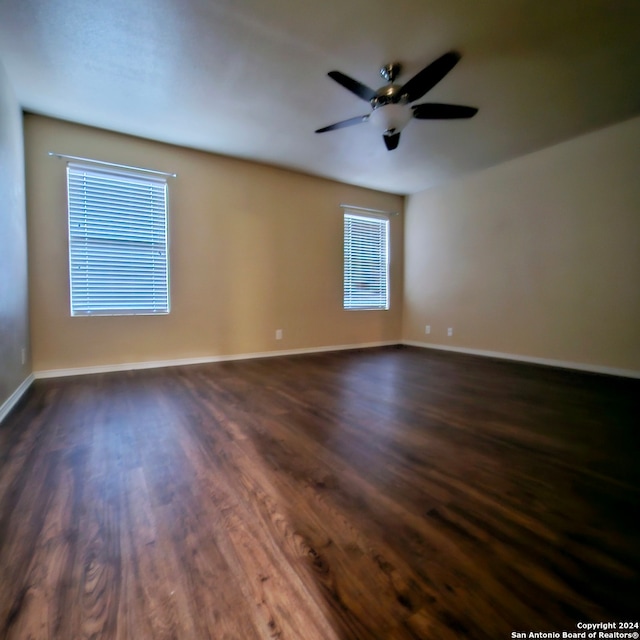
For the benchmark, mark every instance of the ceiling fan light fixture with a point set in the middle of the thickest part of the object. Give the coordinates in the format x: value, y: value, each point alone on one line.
x: 390, y: 117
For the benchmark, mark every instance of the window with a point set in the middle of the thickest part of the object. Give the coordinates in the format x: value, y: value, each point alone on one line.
x: 366, y: 262
x: 118, y: 259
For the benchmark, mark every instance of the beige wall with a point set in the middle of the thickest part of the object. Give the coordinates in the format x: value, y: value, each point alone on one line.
x: 538, y: 257
x: 14, y: 323
x: 253, y: 249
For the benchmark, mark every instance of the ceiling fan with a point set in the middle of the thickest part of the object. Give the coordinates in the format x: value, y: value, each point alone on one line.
x: 391, y: 108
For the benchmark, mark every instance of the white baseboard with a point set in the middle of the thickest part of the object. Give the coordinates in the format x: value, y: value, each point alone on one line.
x: 563, y: 364
x: 156, y: 364
x: 12, y: 400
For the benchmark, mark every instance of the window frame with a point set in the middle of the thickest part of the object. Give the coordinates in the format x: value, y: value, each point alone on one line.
x: 380, y: 261
x: 150, y: 290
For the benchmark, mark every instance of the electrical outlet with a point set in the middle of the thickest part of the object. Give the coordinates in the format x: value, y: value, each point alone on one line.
x: 450, y: 331
x: 427, y: 328
x: 278, y: 334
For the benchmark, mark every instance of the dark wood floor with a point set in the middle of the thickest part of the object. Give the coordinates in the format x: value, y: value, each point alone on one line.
x: 394, y: 493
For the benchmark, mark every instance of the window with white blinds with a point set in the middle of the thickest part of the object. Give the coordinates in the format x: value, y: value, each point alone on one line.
x: 366, y: 262
x: 118, y: 249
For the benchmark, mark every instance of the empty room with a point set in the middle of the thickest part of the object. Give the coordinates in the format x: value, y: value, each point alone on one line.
x: 319, y: 321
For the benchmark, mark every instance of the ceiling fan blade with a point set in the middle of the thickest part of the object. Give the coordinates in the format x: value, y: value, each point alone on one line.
x: 344, y: 123
x: 437, y: 111
x: 361, y: 90
x: 429, y: 77
x: 391, y: 140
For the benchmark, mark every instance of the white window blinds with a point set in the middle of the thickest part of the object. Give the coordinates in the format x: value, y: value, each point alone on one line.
x: 366, y: 262
x: 118, y: 258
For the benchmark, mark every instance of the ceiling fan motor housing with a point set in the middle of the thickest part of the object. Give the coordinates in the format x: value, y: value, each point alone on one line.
x: 389, y: 94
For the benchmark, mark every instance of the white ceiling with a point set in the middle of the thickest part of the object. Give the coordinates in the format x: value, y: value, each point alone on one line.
x: 247, y: 78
